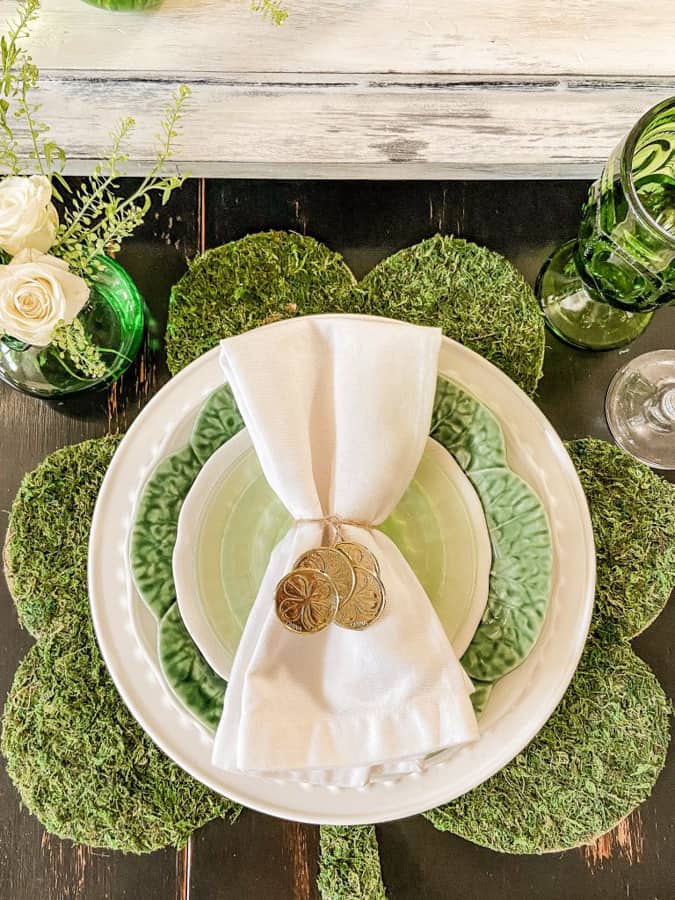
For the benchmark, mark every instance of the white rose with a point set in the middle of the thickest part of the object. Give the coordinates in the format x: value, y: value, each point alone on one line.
x: 28, y: 218
x: 36, y: 293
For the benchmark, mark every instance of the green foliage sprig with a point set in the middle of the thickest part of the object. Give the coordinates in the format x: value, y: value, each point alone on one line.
x: 75, y: 350
x: 19, y: 78
x: 271, y: 9
x: 97, y: 220
x: 94, y: 218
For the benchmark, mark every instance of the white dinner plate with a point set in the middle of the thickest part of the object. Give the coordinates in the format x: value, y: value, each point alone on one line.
x: 520, y: 703
x: 231, y: 520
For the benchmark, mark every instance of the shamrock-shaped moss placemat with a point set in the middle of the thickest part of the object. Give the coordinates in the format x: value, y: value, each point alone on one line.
x: 89, y: 772
x: 98, y: 779
x: 80, y: 761
x: 633, y: 514
x: 475, y: 295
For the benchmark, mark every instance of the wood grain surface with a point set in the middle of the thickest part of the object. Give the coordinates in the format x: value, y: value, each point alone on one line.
x: 504, y: 37
x: 260, y: 858
x: 360, y: 88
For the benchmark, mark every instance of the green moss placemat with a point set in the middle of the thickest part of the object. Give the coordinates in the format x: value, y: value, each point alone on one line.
x: 593, y: 762
x: 258, y: 279
x: 349, y: 865
x: 633, y: 513
x: 46, y: 547
x: 81, y: 763
x: 608, y: 768
x: 481, y: 300
x: 475, y: 295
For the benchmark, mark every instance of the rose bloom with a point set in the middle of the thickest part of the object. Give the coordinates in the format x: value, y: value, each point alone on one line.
x: 28, y: 218
x: 36, y: 293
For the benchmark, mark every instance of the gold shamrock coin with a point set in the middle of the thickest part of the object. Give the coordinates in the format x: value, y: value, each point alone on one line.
x: 359, y: 556
x: 365, y: 604
x: 306, y: 601
x: 331, y: 562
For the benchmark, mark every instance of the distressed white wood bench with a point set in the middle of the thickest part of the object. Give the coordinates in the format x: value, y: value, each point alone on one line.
x: 361, y: 88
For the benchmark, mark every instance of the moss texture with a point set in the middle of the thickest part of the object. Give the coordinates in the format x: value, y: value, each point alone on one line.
x: 349, y: 866
x: 474, y: 294
x: 79, y: 760
x: 595, y: 760
x: 633, y: 513
x: 259, y: 279
x: 46, y: 549
x: 81, y: 763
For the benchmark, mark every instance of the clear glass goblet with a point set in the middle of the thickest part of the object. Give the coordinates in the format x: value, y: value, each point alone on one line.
x: 640, y: 408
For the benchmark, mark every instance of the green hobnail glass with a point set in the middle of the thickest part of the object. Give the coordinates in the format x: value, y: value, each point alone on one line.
x: 114, y: 322
x: 124, y: 5
x: 599, y: 291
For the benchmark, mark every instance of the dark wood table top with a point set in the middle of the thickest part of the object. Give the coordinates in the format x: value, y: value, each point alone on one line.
x: 260, y: 858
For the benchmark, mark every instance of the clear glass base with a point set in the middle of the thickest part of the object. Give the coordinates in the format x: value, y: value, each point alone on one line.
x: 640, y: 408
x: 573, y: 315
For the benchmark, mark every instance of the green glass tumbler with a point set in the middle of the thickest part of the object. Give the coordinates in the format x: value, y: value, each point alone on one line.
x: 599, y: 291
x: 124, y: 5
x: 114, y: 323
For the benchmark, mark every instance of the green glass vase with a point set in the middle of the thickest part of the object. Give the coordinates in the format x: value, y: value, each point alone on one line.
x: 124, y: 5
x: 113, y: 321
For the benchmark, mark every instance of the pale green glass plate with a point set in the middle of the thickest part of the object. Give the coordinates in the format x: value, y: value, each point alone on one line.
x: 232, y: 520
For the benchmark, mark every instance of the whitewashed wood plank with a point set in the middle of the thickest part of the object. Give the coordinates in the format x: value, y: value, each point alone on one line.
x: 499, y: 37
x: 384, y: 127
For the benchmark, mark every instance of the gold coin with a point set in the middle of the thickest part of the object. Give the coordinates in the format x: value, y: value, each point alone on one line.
x: 360, y: 556
x: 306, y: 601
x: 365, y: 604
x: 331, y: 562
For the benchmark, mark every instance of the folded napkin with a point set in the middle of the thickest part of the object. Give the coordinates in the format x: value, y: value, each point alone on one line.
x: 338, y: 408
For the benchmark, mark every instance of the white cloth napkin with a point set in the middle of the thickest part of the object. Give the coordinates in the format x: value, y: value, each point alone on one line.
x: 338, y: 408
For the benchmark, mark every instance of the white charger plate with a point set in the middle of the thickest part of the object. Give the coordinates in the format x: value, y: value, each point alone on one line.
x: 231, y: 520
x: 520, y: 703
